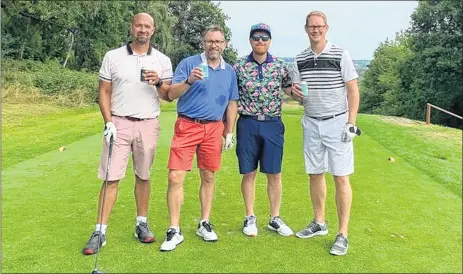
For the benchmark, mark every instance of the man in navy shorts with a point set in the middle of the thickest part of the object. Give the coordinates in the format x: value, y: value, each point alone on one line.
x: 260, y: 131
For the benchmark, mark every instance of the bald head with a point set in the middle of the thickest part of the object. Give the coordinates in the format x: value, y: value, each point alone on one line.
x: 143, y: 16
x: 143, y: 27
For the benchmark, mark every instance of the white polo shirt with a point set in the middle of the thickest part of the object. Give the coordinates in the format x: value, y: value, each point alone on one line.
x: 130, y: 96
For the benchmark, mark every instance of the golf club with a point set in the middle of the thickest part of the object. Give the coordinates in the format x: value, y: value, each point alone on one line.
x: 110, y: 150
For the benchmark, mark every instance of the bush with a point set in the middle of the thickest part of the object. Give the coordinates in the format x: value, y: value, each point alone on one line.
x: 66, y: 86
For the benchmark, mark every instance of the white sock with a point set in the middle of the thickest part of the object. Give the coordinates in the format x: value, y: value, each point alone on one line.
x: 206, y: 220
x: 141, y: 219
x: 102, y: 227
x: 320, y: 223
x: 176, y: 228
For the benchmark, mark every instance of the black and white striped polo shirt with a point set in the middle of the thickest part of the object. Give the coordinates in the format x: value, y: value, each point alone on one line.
x: 326, y: 75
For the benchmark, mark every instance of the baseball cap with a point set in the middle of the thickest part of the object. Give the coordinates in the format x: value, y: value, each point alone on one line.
x: 260, y: 27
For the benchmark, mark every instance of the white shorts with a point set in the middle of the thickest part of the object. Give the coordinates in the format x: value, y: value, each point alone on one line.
x: 323, y: 149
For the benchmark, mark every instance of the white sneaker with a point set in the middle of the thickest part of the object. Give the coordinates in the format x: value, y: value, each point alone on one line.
x: 205, y: 231
x: 173, y: 238
x: 249, y: 226
x: 277, y: 224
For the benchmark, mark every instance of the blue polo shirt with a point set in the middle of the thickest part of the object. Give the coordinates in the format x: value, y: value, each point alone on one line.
x: 206, y: 99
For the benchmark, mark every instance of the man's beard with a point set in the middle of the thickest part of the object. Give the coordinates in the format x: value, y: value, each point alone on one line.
x: 141, y: 40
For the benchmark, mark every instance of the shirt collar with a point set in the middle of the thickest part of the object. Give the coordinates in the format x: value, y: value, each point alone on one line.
x: 268, y: 59
x: 130, y: 51
x: 204, y: 60
x: 325, y: 50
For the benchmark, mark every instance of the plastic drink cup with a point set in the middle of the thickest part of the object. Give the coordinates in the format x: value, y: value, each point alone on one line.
x: 205, y: 68
x: 304, y: 88
x: 142, y: 71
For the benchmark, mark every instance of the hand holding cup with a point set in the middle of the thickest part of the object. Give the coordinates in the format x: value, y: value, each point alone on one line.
x: 149, y: 76
x: 195, y: 75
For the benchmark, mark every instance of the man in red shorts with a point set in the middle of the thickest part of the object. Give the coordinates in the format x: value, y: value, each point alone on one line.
x: 204, y: 96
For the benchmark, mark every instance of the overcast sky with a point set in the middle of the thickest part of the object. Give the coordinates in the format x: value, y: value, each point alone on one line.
x: 357, y: 26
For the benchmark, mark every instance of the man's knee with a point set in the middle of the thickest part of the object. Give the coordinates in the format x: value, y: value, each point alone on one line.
x: 274, y: 178
x: 341, y: 180
x: 176, y: 177
x: 207, y: 176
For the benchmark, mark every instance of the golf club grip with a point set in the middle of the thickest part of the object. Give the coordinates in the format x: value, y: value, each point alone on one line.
x: 110, y: 153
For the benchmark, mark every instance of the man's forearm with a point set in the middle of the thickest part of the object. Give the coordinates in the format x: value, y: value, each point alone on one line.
x: 163, y: 91
x: 353, y: 99
x: 177, y: 90
x: 104, y: 101
x: 232, y: 112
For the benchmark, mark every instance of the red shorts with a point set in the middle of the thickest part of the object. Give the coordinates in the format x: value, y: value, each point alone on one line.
x: 190, y: 137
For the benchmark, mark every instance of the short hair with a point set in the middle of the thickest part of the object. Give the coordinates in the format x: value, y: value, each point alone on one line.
x: 213, y: 28
x: 315, y: 13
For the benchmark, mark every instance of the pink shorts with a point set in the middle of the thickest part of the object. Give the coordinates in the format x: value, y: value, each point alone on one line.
x: 138, y: 137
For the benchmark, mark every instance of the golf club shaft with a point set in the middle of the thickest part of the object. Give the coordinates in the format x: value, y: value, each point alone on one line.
x: 105, y: 188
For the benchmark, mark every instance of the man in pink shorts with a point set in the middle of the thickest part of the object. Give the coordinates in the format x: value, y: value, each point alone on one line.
x: 206, y: 87
x: 130, y: 108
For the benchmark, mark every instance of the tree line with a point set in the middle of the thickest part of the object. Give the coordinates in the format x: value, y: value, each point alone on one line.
x: 422, y: 64
x: 78, y: 33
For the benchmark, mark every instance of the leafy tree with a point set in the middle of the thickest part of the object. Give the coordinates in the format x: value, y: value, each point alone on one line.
x: 193, y: 17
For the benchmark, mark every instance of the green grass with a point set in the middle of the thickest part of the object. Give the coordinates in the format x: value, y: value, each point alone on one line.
x: 404, y: 217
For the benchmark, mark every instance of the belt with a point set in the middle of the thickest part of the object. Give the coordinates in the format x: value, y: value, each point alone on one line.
x: 199, y: 121
x: 134, y: 118
x: 262, y: 117
x: 327, y: 117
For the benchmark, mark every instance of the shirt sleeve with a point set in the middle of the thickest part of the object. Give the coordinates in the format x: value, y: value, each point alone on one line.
x: 348, y: 71
x: 294, y: 71
x: 105, y: 70
x: 167, y: 73
x: 286, y: 80
x: 234, y: 88
x: 181, y: 73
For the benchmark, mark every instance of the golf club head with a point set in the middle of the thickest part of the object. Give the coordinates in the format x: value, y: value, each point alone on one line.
x: 96, y: 271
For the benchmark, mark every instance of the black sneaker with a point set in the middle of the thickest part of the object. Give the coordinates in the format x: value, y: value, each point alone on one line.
x: 340, y: 245
x: 143, y: 233
x: 92, y: 246
x: 313, y: 229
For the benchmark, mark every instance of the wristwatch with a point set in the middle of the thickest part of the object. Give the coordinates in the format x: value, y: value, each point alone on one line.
x: 186, y: 82
x: 159, y: 83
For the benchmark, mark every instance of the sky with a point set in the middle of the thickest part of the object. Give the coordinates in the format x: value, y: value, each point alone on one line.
x: 357, y: 26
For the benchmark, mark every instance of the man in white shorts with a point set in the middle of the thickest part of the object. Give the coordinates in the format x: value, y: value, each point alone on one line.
x: 330, y: 112
x: 130, y: 109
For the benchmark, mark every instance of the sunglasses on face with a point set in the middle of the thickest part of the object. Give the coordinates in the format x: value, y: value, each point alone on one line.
x: 264, y: 38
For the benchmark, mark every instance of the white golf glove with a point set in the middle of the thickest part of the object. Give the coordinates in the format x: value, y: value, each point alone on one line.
x: 110, y: 130
x: 349, y: 133
x: 229, y: 142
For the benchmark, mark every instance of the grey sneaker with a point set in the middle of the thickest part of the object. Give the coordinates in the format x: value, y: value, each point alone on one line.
x: 143, y: 233
x: 249, y: 226
x: 340, y: 245
x: 92, y: 246
x: 313, y: 229
x: 277, y: 224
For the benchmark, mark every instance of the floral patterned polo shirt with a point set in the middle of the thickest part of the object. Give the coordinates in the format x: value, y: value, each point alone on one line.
x: 259, y: 85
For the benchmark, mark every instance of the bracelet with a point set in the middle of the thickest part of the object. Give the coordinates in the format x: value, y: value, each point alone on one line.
x: 159, y: 83
x: 186, y: 82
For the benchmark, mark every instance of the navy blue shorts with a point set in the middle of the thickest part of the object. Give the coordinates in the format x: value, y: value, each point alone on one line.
x: 259, y: 142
